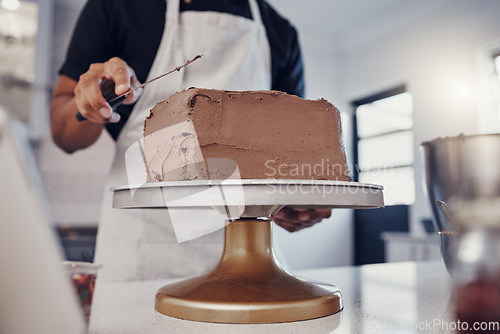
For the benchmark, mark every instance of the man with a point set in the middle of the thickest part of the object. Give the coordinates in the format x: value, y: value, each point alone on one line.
x: 246, y: 45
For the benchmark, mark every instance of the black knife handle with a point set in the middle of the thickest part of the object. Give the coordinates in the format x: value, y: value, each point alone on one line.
x: 113, y: 99
x: 108, y: 92
x: 80, y: 117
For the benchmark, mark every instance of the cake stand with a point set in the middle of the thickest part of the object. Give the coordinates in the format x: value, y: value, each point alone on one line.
x: 248, y: 285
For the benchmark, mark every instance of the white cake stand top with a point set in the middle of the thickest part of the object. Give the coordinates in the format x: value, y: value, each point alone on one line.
x: 250, y: 194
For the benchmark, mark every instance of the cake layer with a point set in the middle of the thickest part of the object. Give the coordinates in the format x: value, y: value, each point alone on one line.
x: 214, y: 134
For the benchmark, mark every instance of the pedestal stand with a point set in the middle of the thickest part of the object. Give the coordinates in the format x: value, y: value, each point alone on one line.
x: 248, y: 285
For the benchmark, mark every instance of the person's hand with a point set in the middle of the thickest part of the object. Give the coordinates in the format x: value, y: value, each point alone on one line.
x: 294, y: 219
x: 88, y: 96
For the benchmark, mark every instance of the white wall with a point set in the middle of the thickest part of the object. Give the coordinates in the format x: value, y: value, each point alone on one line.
x: 436, y: 58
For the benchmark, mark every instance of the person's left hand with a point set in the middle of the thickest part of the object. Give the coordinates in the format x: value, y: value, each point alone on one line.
x: 294, y: 219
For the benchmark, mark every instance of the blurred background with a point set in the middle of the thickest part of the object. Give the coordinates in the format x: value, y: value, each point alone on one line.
x: 402, y: 72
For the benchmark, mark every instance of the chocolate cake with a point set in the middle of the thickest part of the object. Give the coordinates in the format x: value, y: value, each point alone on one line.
x: 213, y: 134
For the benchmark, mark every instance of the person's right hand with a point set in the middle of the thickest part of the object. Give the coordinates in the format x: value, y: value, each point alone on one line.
x: 88, y: 97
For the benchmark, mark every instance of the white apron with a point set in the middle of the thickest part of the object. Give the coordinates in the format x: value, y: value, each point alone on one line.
x: 140, y: 244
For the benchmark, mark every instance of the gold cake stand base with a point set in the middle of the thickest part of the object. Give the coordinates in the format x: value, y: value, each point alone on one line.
x: 248, y: 285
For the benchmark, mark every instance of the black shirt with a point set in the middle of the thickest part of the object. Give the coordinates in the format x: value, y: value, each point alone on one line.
x: 132, y: 30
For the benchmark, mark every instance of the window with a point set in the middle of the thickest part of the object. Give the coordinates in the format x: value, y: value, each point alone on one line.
x: 488, y: 92
x: 384, y: 144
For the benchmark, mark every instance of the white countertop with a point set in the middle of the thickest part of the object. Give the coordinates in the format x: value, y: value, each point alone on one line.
x: 398, y: 298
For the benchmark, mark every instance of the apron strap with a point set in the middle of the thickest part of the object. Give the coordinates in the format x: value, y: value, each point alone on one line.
x: 254, y: 8
x: 173, y: 10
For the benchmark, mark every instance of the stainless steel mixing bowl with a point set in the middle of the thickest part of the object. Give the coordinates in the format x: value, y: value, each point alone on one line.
x: 464, y: 172
x: 462, y: 179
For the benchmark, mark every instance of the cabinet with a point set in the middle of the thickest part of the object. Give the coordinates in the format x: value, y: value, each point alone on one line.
x: 403, y: 246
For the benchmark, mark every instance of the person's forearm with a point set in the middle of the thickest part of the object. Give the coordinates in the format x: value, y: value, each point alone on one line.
x: 69, y: 134
x: 85, y: 96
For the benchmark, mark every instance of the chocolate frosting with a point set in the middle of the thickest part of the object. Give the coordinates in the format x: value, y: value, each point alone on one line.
x: 215, y: 134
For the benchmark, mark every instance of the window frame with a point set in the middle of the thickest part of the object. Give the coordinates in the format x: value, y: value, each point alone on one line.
x: 496, y: 69
x: 400, y: 89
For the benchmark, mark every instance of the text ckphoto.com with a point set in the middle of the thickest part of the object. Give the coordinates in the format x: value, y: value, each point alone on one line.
x: 437, y: 325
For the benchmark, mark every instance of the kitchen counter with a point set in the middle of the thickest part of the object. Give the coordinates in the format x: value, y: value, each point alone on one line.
x: 403, y: 297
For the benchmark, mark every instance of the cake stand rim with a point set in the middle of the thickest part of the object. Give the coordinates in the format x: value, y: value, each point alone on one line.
x: 352, y: 195
x: 229, y: 182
